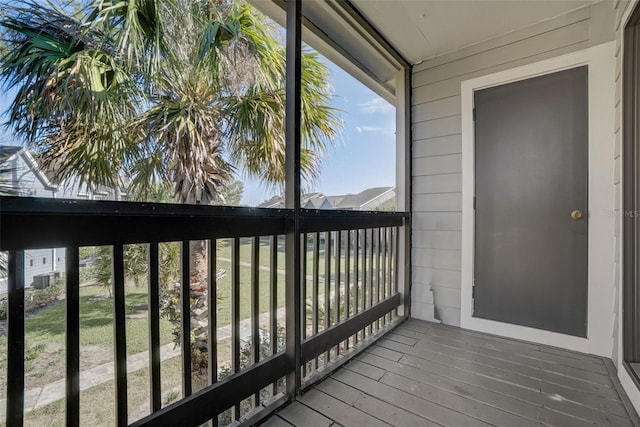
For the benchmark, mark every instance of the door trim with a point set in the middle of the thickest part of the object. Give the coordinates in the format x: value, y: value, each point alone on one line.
x: 628, y: 345
x: 600, y: 309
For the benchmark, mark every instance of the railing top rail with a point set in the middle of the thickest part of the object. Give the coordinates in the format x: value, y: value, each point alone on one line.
x: 32, y: 223
x: 48, y: 206
x: 343, y: 213
x: 41, y: 205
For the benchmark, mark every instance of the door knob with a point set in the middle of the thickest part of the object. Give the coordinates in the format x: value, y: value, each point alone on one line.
x: 577, y: 215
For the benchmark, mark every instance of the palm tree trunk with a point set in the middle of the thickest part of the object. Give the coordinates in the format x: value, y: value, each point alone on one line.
x: 198, y: 261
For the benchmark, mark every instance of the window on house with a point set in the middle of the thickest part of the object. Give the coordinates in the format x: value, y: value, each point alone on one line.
x: 44, y: 260
x: 30, y: 263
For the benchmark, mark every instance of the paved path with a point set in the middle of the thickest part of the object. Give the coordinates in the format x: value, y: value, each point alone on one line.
x: 41, y: 396
x: 265, y: 268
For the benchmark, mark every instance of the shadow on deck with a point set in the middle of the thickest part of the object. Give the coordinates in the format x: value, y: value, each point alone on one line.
x: 424, y: 374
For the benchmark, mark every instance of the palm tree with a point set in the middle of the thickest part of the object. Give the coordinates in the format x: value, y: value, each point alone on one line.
x: 182, y: 91
x: 185, y: 91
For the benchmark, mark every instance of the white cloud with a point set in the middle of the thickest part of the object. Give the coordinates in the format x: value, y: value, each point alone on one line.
x: 361, y: 129
x: 375, y: 105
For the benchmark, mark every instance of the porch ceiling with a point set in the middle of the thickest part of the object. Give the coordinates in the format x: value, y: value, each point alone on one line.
x: 424, y: 29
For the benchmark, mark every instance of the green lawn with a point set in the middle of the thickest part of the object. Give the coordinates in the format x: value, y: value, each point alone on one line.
x: 97, y: 404
x: 45, y: 334
x: 225, y: 249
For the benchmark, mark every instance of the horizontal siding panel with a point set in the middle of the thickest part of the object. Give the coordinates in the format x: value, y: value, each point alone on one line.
x: 451, y: 163
x: 437, y: 109
x: 429, y: 276
x: 421, y: 293
x: 421, y: 310
x: 441, y: 90
x: 446, y: 297
x: 437, y: 221
x: 443, y: 145
x: 445, y: 202
x: 447, y: 183
x: 451, y: 87
x: 438, y: 127
x: 544, y: 42
x: 439, y: 258
x: 513, y: 37
x: 437, y: 239
x: 448, y: 315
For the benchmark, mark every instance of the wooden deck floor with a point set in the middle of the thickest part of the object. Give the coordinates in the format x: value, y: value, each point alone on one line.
x: 423, y: 374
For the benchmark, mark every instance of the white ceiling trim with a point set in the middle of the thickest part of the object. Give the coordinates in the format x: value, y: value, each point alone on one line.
x: 422, y: 30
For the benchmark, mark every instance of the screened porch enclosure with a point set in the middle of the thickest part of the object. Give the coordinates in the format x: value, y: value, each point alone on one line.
x: 350, y: 318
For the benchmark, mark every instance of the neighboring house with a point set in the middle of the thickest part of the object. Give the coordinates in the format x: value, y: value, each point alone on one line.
x: 370, y: 199
x: 379, y: 198
x: 26, y: 178
x: 277, y: 202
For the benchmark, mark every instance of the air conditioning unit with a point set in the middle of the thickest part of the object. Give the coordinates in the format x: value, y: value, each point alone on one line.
x: 41, y: 281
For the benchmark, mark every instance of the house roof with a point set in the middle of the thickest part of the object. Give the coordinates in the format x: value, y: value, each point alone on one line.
x: 345, y: 201
x: 7, y: 151
x: 356, y: 201
x: 277, y: 202
x: 315, y: 202
x: 335, y: 200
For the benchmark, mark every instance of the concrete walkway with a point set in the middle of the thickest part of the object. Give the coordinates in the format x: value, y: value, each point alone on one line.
x: 265, y: 268
x: 41, y: 396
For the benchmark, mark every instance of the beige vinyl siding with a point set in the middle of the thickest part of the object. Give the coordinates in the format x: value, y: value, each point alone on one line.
x: 436, y: 139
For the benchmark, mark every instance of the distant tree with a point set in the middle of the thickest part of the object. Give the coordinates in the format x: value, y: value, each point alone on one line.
x: 389, y: 206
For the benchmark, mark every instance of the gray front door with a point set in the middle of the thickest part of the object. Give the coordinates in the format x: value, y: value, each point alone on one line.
x: 531, y: 183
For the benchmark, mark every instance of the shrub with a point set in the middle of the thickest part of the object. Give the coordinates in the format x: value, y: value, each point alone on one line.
x: 37, y: 298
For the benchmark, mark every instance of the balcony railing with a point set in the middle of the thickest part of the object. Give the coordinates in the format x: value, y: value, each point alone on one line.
x: 353, y: 287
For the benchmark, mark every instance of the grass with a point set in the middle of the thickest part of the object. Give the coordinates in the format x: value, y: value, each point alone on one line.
x: 45, y: 335
x: 97, y: 404
x: 225, y: 249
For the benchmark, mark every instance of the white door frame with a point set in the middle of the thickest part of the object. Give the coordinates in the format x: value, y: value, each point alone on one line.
x: 601, y: 245
x: 625, y: 379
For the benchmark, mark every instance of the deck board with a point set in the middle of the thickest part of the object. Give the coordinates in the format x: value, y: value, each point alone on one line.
x: 425, y: 374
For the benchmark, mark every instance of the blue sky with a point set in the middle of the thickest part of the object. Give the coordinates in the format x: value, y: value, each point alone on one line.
x: 362, y: 157
x: 364, y: 154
